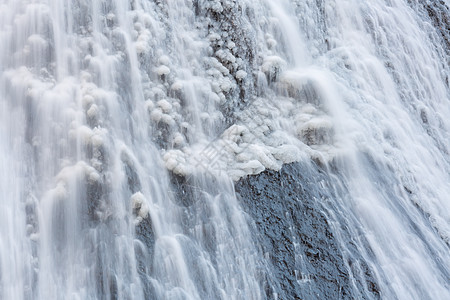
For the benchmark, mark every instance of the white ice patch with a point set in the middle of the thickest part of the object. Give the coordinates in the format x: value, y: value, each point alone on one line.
x: 93, y: 111
x: 140, y: 206
x: 164, y: 60
x: 165, y: 106
x: 162, y: 70
x: 260, y: 140
x: 273, y: 65
x: 156, y: 115
x: 241, y: 74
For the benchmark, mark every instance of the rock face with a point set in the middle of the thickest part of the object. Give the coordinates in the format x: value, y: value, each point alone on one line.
x: 292, y: 226
x: 439, y: 13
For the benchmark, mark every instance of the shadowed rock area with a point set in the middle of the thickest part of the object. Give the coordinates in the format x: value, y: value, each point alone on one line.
x: 292, y: 227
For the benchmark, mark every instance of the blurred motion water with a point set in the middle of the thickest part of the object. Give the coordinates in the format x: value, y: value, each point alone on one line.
x: 124, y: 126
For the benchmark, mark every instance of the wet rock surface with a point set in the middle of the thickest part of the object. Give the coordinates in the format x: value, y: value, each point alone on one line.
x: 439, y: 13
x: 292, y: 226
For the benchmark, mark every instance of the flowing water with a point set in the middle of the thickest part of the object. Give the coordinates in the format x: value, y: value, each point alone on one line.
x: 124, y: 125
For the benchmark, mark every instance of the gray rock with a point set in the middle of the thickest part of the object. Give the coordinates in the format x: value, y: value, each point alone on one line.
x: 291, y: 225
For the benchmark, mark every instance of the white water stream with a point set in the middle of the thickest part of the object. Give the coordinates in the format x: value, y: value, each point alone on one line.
x: 101, y: 100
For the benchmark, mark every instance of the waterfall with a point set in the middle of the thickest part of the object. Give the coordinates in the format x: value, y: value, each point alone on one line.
x: 224, y: 149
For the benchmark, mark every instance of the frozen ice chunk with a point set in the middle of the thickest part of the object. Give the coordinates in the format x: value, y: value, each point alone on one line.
x: 241, y: 74
x: 317, y: 131
x: 162, y: 70
x: 156, y: 115
x: 97, y: 140
x: 175, y: 161
x: 165, y: 106
x: 287, y: 153
x: 216, y: 6
x: 177, y: 86
x: 168, y: 119
x: 93, y: 111
x: 226, y: 85
x: 94, y: 177
x: 273, y: 65
x: 87, y: 100
x: 164, y: 60
x: 213, y: 37
x: 231, y: 45
x: 140, y: 206
x: 178, y: 140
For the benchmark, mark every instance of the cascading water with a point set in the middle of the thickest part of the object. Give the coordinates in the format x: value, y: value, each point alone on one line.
x: 127, y: 126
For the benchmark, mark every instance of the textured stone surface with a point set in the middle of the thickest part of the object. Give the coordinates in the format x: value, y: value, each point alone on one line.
x: 292, y: 227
